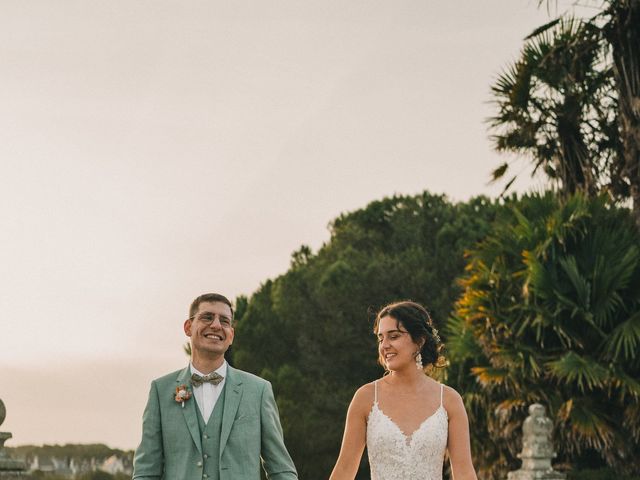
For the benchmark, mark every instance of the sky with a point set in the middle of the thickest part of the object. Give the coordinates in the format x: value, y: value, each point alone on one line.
x: 153, y: 150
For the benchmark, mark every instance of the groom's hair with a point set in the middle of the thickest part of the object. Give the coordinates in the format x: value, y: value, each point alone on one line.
x: 209, y: 297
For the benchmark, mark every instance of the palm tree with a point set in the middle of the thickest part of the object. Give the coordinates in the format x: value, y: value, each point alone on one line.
x: 551, y: 314
x: 572, y: 102
x: 554, y: 102
x: 621, y: 33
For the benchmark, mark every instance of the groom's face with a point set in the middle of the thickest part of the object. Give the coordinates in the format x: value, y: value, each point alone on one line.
x: 210, y: 329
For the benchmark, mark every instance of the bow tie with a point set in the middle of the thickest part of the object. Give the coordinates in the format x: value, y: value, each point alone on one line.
x: 213, y: 378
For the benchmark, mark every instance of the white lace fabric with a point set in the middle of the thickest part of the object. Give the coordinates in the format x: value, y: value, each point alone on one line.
x: 396, y: 456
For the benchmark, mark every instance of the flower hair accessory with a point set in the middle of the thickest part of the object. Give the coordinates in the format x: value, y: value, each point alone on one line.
x: 436, y: 335
x: 182, y: 394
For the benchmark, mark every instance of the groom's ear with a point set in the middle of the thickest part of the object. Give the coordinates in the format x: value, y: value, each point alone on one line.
x: 187, y: 327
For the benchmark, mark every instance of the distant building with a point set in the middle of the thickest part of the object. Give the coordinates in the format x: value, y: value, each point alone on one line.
x: 72, y: 467
x: 42, y: 464
x: 115, y: 464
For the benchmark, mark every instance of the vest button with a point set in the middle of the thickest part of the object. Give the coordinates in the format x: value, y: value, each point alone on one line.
x: 205, y: 476
x: 206, y: 456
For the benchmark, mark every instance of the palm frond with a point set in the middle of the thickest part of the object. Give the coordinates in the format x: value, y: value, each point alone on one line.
x: 490, y: 376
x: 590, y: 425
x: 624, y: 340
x: 499, y: 172
x: 583, y: 371
x: 543, y: 28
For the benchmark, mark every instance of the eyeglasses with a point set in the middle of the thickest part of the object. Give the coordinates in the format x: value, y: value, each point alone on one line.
x: 208, y: 318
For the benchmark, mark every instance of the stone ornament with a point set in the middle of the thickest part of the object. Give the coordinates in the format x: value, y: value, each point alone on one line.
x: 9, y: 467
x: 537, y: 449
x: 3, y: 412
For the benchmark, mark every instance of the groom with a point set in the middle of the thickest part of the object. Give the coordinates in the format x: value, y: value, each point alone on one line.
x: 210, y: 420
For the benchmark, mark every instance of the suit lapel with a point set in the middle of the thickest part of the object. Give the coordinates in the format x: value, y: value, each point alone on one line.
x: 232, y: 396
x: 189, y: 409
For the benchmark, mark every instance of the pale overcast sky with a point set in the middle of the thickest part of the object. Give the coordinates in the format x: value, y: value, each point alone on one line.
x: 154, y: 150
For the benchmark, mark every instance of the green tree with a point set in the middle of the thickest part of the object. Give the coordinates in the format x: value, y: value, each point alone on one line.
x: 556, y: 105
x: 572, y: 101
x: 309, y: 331
x: 551, y: 314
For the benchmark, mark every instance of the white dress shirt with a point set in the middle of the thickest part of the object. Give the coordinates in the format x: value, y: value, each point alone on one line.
x: 207, y: 394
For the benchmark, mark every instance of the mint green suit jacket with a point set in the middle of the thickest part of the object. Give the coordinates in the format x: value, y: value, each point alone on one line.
x: 251, y: 434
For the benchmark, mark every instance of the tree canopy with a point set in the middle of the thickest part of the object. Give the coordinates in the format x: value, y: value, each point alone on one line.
x: 551, y: 314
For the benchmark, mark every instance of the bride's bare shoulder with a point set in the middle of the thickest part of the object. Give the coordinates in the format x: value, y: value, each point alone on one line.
x: 364, y: 397
x: 451, y: 395
x: 366, y: 392
x: 452, y: 401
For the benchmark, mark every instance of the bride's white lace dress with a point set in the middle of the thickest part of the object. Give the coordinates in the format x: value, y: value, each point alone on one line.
x: 396, y: 456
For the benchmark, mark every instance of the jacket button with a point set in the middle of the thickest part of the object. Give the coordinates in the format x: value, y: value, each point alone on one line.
x: 200, y: 464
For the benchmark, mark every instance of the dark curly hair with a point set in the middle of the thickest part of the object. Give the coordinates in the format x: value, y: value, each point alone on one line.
x: 416, y: 320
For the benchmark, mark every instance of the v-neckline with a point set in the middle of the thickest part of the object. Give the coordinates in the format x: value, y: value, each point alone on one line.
x: 408, y: 438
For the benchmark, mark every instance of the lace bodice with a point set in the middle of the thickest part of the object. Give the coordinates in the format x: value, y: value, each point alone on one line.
x: 396, y: 456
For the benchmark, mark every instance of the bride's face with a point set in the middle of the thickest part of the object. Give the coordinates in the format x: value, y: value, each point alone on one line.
x: 396, y: 348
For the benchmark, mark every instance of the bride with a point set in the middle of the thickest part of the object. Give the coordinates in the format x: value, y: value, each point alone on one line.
x: 406, y: 419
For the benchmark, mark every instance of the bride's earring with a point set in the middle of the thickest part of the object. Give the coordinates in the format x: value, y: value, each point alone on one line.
x: 419, y: 361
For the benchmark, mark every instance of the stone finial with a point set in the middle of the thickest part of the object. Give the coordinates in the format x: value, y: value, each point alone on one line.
x: 9, y: 468
x: 537, y: 449
x: 3, y: 412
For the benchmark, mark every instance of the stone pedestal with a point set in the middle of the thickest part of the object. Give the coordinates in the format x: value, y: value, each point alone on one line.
x: 10, y: 468
x: 537, y: 450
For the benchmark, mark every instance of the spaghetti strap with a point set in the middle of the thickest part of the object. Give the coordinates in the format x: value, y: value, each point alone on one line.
x: 375, y: 389
x: 441, y: 393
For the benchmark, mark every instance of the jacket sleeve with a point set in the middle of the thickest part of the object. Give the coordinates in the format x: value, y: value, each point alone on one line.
x: 148, y: 461
x: 276, y: 461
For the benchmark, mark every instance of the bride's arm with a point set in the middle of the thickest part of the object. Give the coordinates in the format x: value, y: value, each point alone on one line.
x: 355, y: 434
x: 458, y: 444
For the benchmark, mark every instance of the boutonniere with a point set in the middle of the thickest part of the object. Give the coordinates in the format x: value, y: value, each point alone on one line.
x: 182, y: 394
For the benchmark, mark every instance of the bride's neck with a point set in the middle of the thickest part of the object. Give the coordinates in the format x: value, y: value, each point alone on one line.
x: 406, y: 377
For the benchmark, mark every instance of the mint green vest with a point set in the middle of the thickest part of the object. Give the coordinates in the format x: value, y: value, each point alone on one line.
x: 210, y: 438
